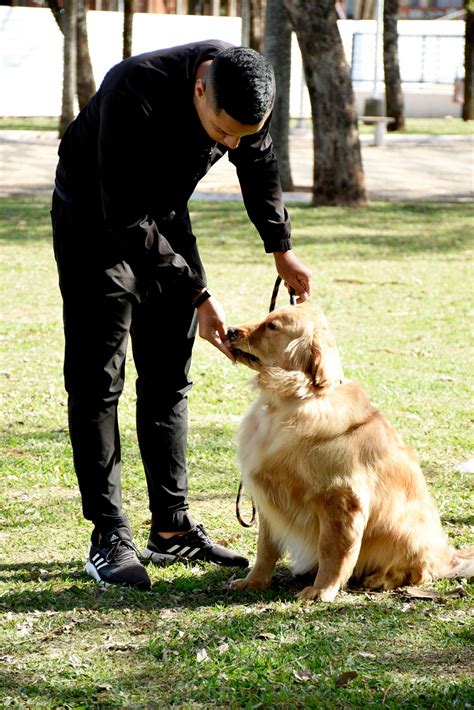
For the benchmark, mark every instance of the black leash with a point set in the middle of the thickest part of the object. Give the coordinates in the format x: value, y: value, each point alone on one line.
x: 240, y: 492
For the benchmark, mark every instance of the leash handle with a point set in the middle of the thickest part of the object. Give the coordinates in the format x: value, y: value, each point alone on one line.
x: 253, y: 519
x: 274, y: 297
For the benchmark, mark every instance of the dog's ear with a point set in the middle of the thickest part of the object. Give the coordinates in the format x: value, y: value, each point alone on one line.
x: 317, y: 356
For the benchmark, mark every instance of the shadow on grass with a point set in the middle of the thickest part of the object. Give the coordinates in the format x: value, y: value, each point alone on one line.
x: 394, y: 229
x: 58, y: 586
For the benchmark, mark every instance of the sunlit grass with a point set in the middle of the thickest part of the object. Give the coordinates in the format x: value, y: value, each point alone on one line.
x: 395, y: 281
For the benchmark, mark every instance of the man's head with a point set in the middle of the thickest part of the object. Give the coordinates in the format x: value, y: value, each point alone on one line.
x: 235, y: 97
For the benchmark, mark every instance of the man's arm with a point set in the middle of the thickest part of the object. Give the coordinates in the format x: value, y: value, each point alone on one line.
x: 259, y: 178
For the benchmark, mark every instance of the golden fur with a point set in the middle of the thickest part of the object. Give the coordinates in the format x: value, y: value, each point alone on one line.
x: 333, y: 483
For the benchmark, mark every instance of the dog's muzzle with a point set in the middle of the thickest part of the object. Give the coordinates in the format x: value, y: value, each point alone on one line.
x: 246, y: 358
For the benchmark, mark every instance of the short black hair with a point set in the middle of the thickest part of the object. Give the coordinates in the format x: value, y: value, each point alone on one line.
x: 242, y: 84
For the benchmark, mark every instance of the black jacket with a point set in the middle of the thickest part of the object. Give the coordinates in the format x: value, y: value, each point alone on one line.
x: 137, y: 150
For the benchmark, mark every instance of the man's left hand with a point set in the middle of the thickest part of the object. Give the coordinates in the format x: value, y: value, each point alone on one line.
x: 294, y: 273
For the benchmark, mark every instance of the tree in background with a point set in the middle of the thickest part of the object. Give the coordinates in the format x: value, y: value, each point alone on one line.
x: 277, y: 47
x: 468, y: 105
x: 128, y: 10
x: 253, y: 23
x: 69, y: 22
x: 85, y: 84
x: 338, y: 176
x: 393, y: 85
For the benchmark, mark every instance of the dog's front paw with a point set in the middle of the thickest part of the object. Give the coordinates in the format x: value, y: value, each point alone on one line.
x: 316, y: 594
x: 249, y: 583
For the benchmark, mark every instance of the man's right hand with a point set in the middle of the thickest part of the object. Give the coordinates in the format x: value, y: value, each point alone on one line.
x: 212, y: 326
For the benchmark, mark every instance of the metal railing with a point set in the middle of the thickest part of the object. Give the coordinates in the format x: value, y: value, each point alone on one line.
x: 436, y: 59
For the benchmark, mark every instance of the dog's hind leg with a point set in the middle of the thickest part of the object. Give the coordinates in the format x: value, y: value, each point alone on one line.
x: 340, y: 537
x: 268, y: 553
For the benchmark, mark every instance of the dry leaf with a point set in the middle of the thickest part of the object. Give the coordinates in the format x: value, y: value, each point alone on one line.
x: 303, y: 675
x: 345, y: 678
x: 201, y: 655
x: 266, y: 635
x: 223, y: 647
x: 418, y: 593
x: 458, y: 593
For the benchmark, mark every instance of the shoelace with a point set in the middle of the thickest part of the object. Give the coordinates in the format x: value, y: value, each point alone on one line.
x: 117, y: 550
x: 202, y: 535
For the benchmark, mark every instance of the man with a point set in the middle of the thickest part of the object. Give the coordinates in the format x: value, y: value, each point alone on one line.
x: 128, y: 263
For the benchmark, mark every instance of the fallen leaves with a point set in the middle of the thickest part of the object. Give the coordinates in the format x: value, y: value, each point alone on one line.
x: 304, y: 675
x: 202, y: 655
x: 345, y: 678
x: 419, y: 593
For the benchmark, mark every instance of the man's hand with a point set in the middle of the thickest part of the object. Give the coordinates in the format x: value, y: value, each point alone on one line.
x: 294, y: 273
x: 212, y: 326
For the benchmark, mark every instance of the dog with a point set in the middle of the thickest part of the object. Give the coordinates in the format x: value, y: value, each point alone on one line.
x: 332, y: 481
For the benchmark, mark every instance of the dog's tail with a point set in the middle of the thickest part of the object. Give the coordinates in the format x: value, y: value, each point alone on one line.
x: 461, y: 564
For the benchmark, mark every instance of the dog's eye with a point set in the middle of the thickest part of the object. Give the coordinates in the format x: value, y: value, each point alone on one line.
x: 272, y: 326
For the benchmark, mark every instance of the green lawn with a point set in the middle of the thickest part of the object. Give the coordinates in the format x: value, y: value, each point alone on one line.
x: 396, y: 284
x: 430, y: 126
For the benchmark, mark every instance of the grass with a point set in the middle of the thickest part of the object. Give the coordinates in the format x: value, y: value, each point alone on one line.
x: 395, y: 283
x: 429, y: 126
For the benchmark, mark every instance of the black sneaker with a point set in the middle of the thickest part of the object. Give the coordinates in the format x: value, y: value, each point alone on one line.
x: 193, y: 545
x: 114, y: 560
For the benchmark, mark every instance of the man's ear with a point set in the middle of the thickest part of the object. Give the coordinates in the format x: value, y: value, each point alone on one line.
x: 199, y: 88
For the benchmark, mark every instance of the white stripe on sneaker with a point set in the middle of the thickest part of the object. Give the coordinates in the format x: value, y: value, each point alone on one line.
x: 99, y: 565
x: 182, y: 553
x: 196, y: 549
x: 173, y: 548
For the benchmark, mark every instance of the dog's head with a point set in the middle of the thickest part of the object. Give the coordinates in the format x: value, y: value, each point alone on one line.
x: 295, y: 338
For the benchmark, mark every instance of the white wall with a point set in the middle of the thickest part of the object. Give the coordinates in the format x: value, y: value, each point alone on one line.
x: 31, y: 56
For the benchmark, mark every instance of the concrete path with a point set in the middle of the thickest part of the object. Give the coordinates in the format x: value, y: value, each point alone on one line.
x: 405, y: 168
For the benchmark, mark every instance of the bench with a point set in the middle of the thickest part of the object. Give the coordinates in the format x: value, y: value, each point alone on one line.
x: 380, y: 124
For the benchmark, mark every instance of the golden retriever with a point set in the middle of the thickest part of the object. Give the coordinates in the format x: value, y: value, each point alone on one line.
x: 333, y: 483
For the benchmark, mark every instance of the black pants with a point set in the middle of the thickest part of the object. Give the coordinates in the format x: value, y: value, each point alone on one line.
x: 107, y: 294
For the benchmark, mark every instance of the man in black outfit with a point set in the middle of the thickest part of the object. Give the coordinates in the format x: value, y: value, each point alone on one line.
x: 128, y: 263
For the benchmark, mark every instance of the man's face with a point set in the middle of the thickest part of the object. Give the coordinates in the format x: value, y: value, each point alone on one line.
x: 218, y: 125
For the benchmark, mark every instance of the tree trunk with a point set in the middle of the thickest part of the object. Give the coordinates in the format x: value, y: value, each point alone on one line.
x: 128, y: 9
x: 393, y: 84
x: 468, y: 105
x: 85, y: 76
x: 85, y: 84
x: 253, y: 23
x: 195, y: 7
x: 337, y: 169
x: 69, y: 65
x: 278, y: 50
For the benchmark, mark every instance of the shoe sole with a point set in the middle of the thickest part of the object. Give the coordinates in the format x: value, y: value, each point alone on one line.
x: 163, y: 560
x: 91, y: 570
x: 159, y: 558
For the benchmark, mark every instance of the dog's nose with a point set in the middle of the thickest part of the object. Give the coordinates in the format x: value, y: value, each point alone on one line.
x: 232, y: 333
